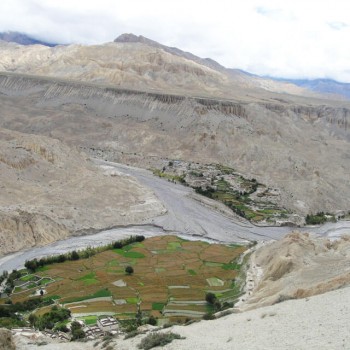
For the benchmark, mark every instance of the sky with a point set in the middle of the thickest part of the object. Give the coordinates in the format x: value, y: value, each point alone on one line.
x: 280, y: 38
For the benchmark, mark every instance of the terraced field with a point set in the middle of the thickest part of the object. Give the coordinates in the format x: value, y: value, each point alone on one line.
x: 171, y: 277
x: 246, y: 197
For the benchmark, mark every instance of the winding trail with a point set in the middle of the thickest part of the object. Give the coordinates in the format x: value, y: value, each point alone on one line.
x: 185, y: 217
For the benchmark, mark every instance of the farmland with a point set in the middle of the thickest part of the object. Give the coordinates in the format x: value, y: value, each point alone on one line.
x: 170, y: 280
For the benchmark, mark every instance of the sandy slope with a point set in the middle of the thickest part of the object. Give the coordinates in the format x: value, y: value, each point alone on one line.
x: 320, y: 322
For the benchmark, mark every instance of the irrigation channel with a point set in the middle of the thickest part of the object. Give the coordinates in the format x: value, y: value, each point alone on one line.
x: 185, y: 217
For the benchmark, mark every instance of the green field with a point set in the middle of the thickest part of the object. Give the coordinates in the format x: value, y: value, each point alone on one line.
x: 170, y: 274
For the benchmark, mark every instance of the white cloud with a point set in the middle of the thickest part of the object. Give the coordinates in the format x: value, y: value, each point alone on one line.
x: 301, y: 39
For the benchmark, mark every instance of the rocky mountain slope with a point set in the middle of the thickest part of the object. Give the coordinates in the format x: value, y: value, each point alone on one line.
x: 49, y: 191
x: 299, y: 146
x: 136, y: 63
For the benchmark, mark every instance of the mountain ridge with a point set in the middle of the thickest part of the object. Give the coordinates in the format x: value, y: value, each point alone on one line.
x: 23, y: 39
x: 329, y: 88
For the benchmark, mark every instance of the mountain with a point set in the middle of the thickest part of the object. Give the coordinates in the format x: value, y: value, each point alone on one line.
x: 141, y: 64
x: 23, y: 39
x: 131, y: 38
x: 140, y: 104
x: 137, y: 62
x: 327, y: 86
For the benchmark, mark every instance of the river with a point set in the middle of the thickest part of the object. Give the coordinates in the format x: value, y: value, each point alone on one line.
x: 185, y: 217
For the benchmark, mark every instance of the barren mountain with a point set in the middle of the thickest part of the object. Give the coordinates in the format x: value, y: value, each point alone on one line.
x: 297, y: 145
x: 136, y: 63
x: 49, y: 191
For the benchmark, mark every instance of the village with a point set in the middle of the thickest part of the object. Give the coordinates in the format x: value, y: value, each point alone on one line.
x: 106, y: 325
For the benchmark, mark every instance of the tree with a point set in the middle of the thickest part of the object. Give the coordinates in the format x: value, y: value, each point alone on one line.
x: 77, y: 332
x: 210, y: 298
x: 31, y: 265
x: 75, y: 255
x: 129, y: 270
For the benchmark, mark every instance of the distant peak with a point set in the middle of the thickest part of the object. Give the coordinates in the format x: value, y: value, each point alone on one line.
x: 127, y: 38
x: 132, y: 38
x: 22, y: 39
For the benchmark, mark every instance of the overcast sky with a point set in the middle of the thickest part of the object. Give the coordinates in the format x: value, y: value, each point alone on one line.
x: 295, y: 39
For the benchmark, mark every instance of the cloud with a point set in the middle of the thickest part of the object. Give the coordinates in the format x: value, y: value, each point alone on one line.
x: 300, y: 39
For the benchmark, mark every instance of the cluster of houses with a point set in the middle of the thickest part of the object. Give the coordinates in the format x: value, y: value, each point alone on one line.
x: 107, y: 324
x: 104, y: 325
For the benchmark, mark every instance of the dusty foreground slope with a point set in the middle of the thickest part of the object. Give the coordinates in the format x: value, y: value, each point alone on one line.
x: 320, y: 322
x: 49, y: 191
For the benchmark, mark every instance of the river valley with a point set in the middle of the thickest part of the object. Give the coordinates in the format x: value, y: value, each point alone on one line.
x: 186, y: 217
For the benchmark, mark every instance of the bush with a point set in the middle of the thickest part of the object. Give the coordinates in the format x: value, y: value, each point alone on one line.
x: 152, y: 321
x: 318, y: 219
x: 157, y: 339
x: 129, y: 270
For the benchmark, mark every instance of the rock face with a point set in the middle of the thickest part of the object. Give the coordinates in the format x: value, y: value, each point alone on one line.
x: 49, y: 191
x: 298, y: 266
x: 6, y: 341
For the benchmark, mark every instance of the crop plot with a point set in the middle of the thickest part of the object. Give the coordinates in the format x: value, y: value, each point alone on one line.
x: 170, y: 279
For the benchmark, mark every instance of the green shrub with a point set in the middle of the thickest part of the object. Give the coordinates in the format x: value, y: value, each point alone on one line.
x: 318, y: 219
x: 210, y: 298
x: 157, y: 339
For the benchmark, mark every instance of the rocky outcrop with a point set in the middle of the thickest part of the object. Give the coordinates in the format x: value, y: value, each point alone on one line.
x: 298, y: 266
x: 22, y: 230
x: 49, y: 191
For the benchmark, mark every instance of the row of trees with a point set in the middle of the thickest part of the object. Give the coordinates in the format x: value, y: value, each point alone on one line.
x: 34, y: 264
